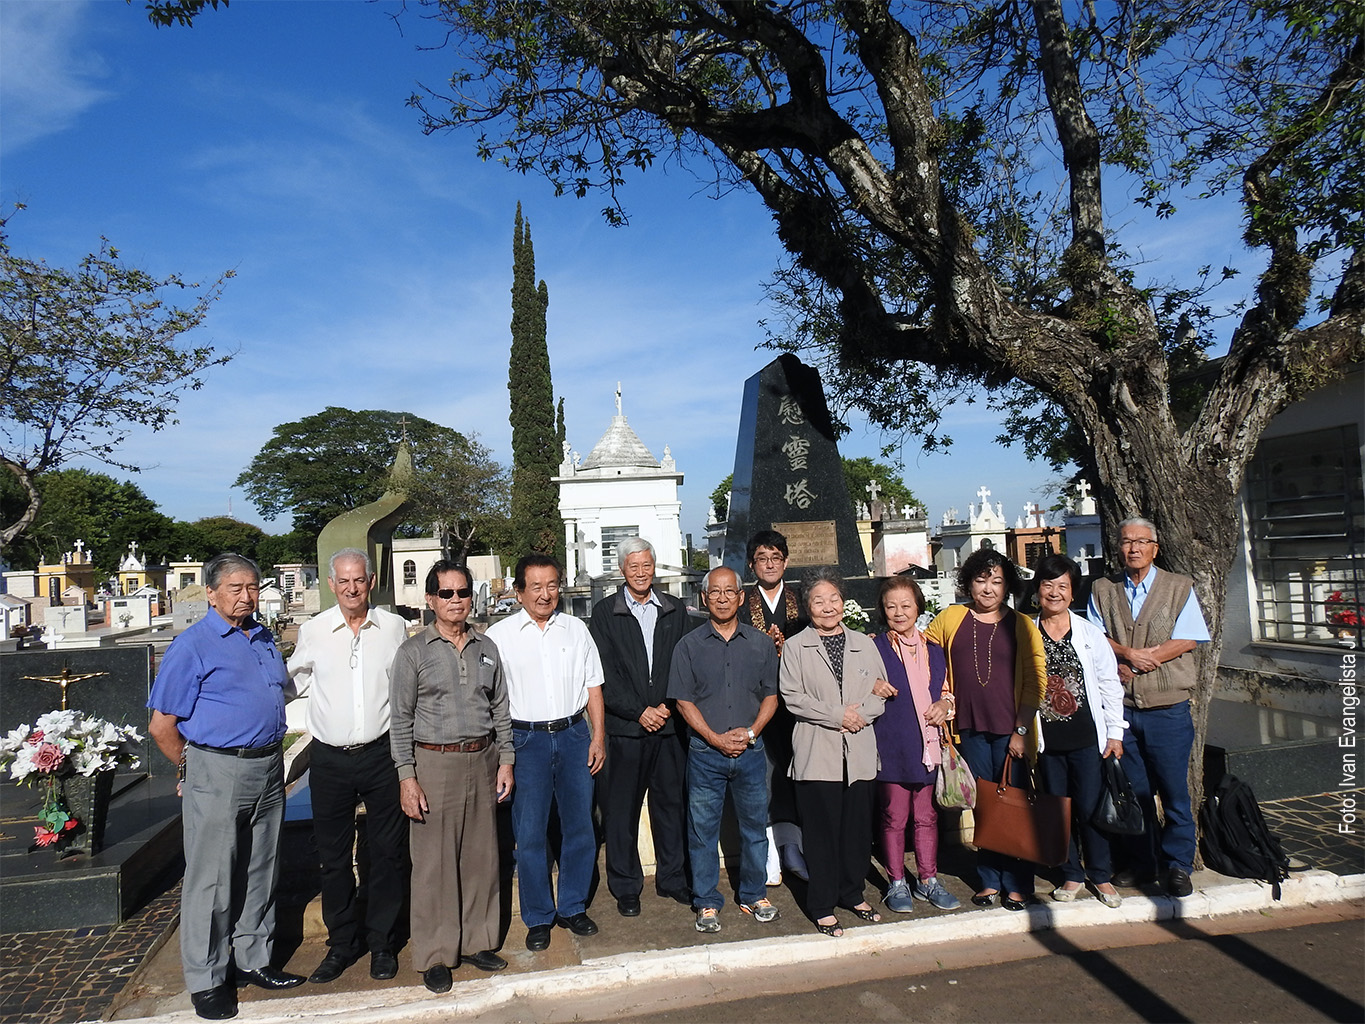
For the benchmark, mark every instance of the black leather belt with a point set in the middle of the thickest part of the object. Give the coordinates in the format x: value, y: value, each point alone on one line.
x: 356, y: 748
x: 244, y: 752
x: 555, y: 725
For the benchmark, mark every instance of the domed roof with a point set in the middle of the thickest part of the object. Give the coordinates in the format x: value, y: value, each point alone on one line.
x: 619, y: 446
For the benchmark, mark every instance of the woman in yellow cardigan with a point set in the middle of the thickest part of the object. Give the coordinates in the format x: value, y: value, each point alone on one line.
x: 997, y: 674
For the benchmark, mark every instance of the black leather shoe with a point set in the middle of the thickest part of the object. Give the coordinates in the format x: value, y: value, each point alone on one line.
x: 437, y: 979
x: 270, y: 978
x: 333, y: 966
x: 983, y: 899
x: 628, y: 906
x: 579, y: 924
x: 1130, y: 879
x: 485, y: 961
x: 1178, y: 882
x: 682, y: 896
x: 1010, y: 903
x: 383, y: 965
x: 538, y: 937
x: 217, y: 1003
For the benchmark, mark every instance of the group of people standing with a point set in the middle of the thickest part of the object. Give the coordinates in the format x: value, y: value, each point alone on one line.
x: 826, y: 740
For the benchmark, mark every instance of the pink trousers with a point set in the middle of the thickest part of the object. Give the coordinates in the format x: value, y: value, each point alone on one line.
x: 896, y: 805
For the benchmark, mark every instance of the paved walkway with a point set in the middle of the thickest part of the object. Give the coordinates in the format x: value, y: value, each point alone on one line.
x: 124, y: 972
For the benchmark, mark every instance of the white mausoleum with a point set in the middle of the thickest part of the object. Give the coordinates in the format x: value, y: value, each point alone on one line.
x: 620, y: 490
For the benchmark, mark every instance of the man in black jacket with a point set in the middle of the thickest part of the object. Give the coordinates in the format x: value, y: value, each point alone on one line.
x: 636, y: 630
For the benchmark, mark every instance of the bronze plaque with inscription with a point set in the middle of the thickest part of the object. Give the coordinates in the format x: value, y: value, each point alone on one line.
x: 812, y: 543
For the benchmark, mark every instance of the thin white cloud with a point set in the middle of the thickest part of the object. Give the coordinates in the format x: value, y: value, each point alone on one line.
x: 48, y: 76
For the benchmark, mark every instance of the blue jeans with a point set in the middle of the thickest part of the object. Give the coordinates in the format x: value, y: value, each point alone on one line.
x: 553, y: 765
x: 709, y: 773
x: 985, y: 752
x: 1156, y: 754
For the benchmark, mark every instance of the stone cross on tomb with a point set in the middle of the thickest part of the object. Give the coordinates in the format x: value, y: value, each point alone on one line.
x: 79, y: 548
x: 1083, y: 489
x: 906, y: 510
x: 132, y: 549
x: 872, y: 489
x: 983, y: 494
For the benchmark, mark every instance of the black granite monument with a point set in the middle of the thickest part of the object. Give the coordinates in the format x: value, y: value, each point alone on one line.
x: 788, y: 475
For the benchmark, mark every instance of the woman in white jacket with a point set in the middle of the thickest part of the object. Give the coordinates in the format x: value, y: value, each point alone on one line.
x: 1082, y: 718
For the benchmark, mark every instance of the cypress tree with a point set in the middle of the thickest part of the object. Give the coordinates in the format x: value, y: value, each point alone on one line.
x: 536, y: 525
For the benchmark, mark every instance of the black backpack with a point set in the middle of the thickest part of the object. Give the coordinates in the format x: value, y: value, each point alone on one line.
x: 1237, y: 841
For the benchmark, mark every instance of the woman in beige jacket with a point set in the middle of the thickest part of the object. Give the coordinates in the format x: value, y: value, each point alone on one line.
x: 831, y: 679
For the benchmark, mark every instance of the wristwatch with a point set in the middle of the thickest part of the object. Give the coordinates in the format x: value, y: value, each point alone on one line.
x: 752, y: 737
x: 1021, y: 730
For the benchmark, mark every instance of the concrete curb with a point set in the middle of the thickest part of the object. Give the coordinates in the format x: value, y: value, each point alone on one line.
x: 625, y: 970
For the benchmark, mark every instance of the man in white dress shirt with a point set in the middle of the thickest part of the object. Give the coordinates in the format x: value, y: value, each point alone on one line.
x: 554, y: 687
x: 342, y: 664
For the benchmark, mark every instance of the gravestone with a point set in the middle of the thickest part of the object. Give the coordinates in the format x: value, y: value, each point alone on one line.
x: 39, y: 890
x: 788, y: 475
x: 190, y: 605
x: 64, y: 620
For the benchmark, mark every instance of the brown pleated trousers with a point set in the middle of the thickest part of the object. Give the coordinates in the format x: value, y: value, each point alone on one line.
x: 455, y: 878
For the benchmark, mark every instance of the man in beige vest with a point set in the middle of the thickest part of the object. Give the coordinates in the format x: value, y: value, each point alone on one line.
x: 1154, y: 625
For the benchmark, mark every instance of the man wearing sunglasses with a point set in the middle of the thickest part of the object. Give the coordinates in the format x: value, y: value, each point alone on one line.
x: 452, y: 743
x: 342, y: 664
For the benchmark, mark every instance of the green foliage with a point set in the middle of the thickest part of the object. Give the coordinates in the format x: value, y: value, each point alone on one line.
x: 88, y: 354
x: 536, y: 525
x: 92, y: 507
x: 892, y: 492
x: 339, y: 459
x: 701, y: 560
x: 217, y: 534
x: 165, y: 13
x: 465, y: 494
x: 720, y: 498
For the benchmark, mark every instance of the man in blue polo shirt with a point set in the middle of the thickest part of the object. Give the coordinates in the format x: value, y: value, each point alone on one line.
x: 724, y: 679
x: 218, y: 712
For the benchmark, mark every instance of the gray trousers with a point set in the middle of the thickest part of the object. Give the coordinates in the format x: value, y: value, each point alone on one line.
x: 233, y: 809
x: 456, y: 882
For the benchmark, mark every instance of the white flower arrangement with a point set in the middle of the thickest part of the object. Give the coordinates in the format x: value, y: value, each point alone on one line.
x: 62, y: 740
x: 855, y: 617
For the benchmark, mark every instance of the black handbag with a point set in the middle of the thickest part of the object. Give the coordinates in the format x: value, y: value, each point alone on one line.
x: 1118, y: 811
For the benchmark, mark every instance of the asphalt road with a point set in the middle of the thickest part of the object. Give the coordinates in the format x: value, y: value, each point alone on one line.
x: 1300, y: 965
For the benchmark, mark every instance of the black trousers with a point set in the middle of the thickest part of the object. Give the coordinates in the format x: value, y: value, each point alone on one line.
x: 338, y: 782
x: 836, y: 838
x: 657, y: 765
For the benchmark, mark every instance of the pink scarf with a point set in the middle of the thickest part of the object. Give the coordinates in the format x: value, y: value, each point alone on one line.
x: 915, y: 659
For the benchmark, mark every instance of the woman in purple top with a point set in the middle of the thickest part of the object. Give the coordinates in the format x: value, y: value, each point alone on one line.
x: 909, y: 745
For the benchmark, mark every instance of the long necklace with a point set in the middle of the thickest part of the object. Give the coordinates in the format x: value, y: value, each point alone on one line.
x: 990, y: 652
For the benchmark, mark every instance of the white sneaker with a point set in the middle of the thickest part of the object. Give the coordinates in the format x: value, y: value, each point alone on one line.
x: 708, y: 920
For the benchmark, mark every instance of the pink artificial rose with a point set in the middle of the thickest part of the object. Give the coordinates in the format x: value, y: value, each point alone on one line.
x: 36, y: 736
x: 48, y: 758
x: 43, y: 836
x: 70, y: 824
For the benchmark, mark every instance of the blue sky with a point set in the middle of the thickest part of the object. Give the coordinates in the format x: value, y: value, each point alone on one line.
x: 374, y: 264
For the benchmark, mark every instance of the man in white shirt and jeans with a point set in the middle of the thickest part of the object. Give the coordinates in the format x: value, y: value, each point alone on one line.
x: 554, y: 688
x: 342, y: 665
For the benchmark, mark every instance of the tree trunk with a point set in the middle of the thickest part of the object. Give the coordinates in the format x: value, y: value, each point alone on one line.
x: 35, y: 502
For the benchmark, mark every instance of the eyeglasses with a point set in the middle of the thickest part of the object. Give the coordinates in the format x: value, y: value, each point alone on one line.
x: 355, y: 650
x: 769, y: 559
x: 460, y: 592
x: 1141, y: 542
x: 723, y: 595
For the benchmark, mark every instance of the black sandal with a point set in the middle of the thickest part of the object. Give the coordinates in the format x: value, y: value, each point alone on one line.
x: 834, y: 930
x: 865, y: 913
